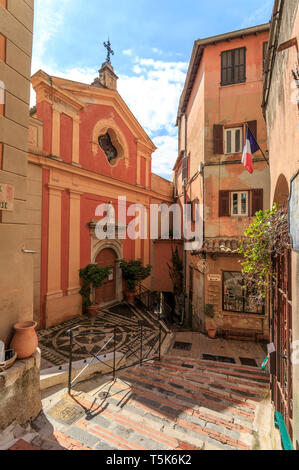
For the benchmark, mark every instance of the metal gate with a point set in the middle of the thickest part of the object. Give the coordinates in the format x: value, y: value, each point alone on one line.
x: 281, y: 333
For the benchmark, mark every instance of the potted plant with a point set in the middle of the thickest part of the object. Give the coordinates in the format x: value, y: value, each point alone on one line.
x: 93, y: 277
x: 210, y: 323
x: 132, y: 272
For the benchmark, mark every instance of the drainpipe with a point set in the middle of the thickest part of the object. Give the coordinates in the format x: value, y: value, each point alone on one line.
x: 185, y: 253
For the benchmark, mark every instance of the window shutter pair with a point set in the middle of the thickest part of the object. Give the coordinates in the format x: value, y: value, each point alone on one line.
x: 257, y: 202
x: 219, y: 136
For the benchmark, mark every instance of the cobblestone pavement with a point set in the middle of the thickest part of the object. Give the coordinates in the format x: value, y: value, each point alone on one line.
x: 54, y: 342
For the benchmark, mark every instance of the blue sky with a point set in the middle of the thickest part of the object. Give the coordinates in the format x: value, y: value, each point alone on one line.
x: 152, y: 41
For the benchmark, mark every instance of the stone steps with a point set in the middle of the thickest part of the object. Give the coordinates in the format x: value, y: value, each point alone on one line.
x: 164, y: 405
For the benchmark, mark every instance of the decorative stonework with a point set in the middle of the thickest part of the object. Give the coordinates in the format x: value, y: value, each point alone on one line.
x: 118, y: 140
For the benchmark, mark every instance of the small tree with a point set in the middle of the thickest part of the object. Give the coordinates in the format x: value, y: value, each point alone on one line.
x: 93, y: 277
x: 134, y: 271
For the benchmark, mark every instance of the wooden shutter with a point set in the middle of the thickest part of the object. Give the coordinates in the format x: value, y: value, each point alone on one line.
x: 218, y: 139
x: 257, y: 201
x: 185, y: 168
x: 224, y: 203
x: 253, y: 127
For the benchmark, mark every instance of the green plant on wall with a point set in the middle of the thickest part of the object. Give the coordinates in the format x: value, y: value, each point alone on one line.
x: 266, y: 238
x: 93, y: 277
x: 134, y: 271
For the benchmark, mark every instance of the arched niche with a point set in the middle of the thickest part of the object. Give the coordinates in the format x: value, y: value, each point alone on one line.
x: 118, y: 140
x: 282, y: 192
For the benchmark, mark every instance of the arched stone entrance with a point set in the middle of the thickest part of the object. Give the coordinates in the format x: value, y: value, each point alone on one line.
x: 108, y: 253
x: 107, y: 293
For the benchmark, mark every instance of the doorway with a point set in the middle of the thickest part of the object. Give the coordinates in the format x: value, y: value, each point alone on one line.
x: 107, y: 293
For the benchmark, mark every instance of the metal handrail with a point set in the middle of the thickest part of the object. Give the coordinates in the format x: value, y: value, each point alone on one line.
x: 141, y: 357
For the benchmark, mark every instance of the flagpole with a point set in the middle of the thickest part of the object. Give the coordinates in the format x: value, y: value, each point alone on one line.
x: 247, y: 127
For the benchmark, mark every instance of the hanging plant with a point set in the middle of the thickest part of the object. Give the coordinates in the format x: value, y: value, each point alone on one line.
x: 266, y: 238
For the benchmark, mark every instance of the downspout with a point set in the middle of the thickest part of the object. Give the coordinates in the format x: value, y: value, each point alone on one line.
x: 185, y: 253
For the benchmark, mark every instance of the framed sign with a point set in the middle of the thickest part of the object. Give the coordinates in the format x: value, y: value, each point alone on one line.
x: 214, y: 277
x: 6, y: 197
x: 294, y: 212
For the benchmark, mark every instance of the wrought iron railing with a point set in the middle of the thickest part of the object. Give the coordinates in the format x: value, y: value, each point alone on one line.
x: 154, y: 302
x: 147, y: 343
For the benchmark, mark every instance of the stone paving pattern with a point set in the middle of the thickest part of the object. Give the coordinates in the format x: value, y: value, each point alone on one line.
x: 54, y: 342
x: 177, y: 403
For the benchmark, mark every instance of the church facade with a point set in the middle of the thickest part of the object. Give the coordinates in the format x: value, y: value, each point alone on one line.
x: 85, y: 149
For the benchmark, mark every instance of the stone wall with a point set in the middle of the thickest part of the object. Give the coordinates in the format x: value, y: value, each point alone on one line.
x: 20, y: 392
x: 16, y: 267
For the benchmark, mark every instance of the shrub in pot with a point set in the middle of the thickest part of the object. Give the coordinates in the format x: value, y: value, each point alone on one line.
x: 93, y: 277
x: 210, y: 323
x: 133, y: 271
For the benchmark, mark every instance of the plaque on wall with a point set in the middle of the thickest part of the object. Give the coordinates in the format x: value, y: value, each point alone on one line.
x: 294, y: 212
x: 6, y: 197
x: 214, y: 277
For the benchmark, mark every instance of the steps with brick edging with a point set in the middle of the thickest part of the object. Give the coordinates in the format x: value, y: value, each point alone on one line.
x: 163, y: 406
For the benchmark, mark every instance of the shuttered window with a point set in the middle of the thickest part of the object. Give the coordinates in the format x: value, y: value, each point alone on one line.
x: 233, y: 66
x: 240, y: 203
x: 185, y: 167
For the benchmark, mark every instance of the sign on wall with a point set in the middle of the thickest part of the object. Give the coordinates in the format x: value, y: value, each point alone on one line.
x: 294, y: 212
x: 214, y: 277
x: 6, y: 197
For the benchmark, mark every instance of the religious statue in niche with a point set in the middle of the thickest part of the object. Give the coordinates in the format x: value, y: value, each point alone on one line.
x: 109, y: 149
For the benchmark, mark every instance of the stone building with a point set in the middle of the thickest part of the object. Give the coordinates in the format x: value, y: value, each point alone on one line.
x: 222, y: 95
x: 86, y: 149
x: 16, y: 266
x: 281, y: 110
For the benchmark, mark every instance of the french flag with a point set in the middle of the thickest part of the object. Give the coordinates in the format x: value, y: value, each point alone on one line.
x: 251, y: 146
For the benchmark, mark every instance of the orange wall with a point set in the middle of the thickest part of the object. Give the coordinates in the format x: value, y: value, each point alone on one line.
x: 162, y: 256
x: 89, y: 116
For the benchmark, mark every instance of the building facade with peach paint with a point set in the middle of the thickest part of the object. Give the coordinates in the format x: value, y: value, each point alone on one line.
x: 76, y: 172
x: 281, y: 111
x: 16, y: 262
x: 221, y: 96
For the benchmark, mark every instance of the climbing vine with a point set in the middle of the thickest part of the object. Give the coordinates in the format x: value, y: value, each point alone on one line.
x: 266, y: 238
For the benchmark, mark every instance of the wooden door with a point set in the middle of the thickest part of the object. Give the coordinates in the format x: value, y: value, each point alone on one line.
x: 107, y: 293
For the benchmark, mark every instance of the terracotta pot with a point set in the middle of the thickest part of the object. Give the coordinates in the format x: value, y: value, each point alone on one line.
x: 92, y: 311
x: 130, y: 296
x: 24, y: 341
x: 212, y: 333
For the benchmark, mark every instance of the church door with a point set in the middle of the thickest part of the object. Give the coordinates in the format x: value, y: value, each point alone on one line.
x: 107, y: 293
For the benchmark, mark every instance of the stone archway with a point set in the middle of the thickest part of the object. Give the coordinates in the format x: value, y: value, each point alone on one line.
x: 107, y: 253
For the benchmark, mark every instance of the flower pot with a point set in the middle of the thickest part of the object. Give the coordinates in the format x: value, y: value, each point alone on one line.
x: 24, y: 341
x: 92, y: 311
x: 212, y: 333
x: 130, y: 296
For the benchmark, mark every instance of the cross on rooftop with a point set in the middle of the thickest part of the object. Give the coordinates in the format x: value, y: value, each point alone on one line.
x: 109, y: 50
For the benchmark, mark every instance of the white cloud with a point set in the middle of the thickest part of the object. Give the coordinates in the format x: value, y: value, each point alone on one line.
x: 151, y: 90
x: 157, y: 51
x: 165, y: 157
x: 128, y: 52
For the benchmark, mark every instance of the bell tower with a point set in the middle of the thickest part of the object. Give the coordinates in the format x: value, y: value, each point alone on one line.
x: 107, y: 78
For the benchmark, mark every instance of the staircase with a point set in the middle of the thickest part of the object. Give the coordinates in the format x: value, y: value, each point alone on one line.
x: 178, y: 403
